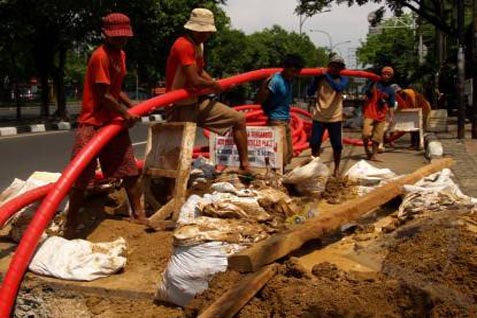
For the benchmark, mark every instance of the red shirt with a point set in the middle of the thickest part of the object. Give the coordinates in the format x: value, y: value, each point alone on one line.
x: 183, y: 52
x: 372, y: 107
x: 105, y: 66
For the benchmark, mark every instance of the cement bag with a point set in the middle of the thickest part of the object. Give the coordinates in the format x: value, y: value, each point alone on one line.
x: 309, y: 179
x: 189, y: 270
x: 78, y: 259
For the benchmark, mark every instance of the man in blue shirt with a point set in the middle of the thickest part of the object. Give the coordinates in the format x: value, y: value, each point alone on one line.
x: 275, y: 96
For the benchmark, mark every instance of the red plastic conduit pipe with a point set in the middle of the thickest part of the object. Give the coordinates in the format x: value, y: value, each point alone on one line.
x: 47, y: 209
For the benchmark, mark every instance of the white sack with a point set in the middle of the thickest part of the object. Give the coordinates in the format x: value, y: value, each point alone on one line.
x: 189, y: 270
x: 78, y: 259
x: 309, y: 179
x: 364, y: 172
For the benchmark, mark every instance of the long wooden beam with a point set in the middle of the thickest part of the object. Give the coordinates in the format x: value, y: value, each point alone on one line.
x: 282, y: 244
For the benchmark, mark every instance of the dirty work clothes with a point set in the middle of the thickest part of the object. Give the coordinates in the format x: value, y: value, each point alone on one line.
x: 334, y: 131
x: 373, y: 129
x: 209, y: 114
x: 105, y: 66
x: 288, y: 146
x: 184, y: 52
x: 329, y: 100
x: 116, y: 158
x: 380, y: 96
x: 277, y: 104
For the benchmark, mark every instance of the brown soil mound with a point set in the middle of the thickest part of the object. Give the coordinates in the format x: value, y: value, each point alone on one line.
x: 430, y: 271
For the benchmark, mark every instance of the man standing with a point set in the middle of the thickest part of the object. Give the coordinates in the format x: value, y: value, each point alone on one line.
x: 185, y: 69
x: 328, y: 111
x: 104, y: 100
x: 380, y: 101
x: 275, y: 96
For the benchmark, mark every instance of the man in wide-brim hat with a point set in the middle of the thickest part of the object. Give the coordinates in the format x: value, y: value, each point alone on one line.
x: 186, y: 69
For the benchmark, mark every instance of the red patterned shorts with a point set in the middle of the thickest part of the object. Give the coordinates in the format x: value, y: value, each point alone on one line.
x: 116, y: 158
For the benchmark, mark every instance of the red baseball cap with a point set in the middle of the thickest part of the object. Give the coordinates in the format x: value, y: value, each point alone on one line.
x: 117, y: 24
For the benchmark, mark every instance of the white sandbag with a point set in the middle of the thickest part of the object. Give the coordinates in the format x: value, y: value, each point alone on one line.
x: 78, y: 260
x: 309, y: 179
x: 189, y: 210
x: 12, y: 190
x: 190, y: 268
x: 22, y: 218
x: 367, y: 174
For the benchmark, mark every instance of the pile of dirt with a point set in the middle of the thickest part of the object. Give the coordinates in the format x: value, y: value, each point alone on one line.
x: 339, y: 189
x: 429, y: 271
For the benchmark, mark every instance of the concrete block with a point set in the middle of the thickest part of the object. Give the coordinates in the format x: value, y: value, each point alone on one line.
x: 8, y: 131
x: 145, y: 119
x: 37, y: 128
x: 63, y: 125
x: 155, y: 117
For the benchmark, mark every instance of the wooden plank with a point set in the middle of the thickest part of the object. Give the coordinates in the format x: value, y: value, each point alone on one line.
x: 168, y: 155
x: 230, y: 303
x: 163, y: 213
x: 282, y: 244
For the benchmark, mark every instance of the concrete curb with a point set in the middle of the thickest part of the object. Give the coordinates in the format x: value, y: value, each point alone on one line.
x: 62, y: 125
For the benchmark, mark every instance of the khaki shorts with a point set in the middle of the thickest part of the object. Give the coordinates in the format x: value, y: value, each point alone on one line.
x: 208, y: 114
x: 288, y: 147
x: 373, y: 129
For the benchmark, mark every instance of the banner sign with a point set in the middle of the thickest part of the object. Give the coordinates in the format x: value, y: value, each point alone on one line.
x: 266, y: 141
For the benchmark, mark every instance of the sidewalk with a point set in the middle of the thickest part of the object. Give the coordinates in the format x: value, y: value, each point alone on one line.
x: 464, y: 153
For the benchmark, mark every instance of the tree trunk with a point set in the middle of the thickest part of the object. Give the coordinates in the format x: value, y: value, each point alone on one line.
x: 45, y: 96
x: 60, y: 85
x: 461, y: 70
x: 474, y: 70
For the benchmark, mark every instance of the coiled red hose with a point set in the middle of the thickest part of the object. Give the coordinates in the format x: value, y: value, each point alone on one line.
x: 59, y: 190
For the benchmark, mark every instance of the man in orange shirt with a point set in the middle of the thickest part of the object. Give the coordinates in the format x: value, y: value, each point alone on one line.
x: 185, y: 69
x: 410, y: 98
x: 103, y: 101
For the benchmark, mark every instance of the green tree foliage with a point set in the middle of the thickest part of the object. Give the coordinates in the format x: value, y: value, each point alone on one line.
x: 432, y: 11
x: 391, y: 46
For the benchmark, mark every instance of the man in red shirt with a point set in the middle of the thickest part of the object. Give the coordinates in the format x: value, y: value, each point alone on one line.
x: 104, y: 100
x: 185, y: 69
x: 380, y: 101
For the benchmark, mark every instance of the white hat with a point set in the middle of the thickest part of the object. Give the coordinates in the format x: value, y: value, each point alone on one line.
x: 201, y: 20
x: 337, y: 59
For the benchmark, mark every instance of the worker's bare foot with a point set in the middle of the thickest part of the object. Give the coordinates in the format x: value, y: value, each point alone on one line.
x: 374, y: 158
x: 139, y: 218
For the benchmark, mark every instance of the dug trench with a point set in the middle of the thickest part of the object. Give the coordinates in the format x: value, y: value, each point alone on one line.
x: 376, y: 268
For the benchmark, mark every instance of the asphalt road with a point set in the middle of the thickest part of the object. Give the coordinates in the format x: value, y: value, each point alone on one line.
x: 23, y: 154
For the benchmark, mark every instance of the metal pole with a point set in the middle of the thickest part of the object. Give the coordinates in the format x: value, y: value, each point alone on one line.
x: 461, y: 71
